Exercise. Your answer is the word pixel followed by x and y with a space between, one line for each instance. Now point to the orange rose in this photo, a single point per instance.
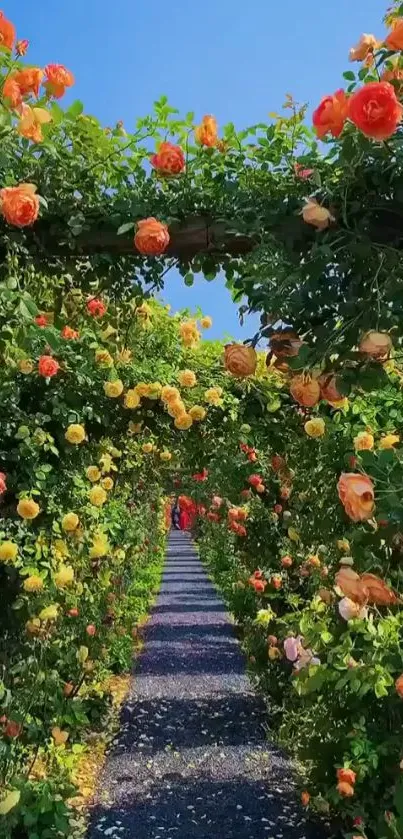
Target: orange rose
pixel 313 213
pixel 7 32
pixel 331 114
pixel 152 237
pixel 376 345
pixel 19 204
pixel 375 110
pixel 47 366
pixel 346 776
pixel 305 390
pixel 206 133
pixel 394 41
pixel 399 686
pixel 345 789
pixel 240 360
pixel 169 159
pixel 356 493
pixel 12 92
pixel 364 441
pixel 305 798
pixel 69 333
pixel 365 47
pixel 57 79
pixel 28 80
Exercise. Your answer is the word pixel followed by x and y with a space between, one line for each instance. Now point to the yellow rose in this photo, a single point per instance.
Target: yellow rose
pixel 132 399
pixel 124 356
pixel 93 474
pixel 315 427
pixel 206 322
pixel 389 441
pixel 363 441
pixel 64 576
pixel 183 422
pixel 33 583
pixel 213 396
pixel 176 408
pixel 170 394
pixel 25 366
pixel 49 613
pixel 142 389
pixel 70 522
pixel 135 427
pixel 313 213
pixel 100 546
pixel 97 496
pixel 60 737
pixel 107 483
pixel 75 434
pixel 28 509
pixel 165 456
pixel 8 551
pixel 187 378
pixel 239 360
pixel 147 448
pixel 103 358
pixel 189 333
pixel 113 389
pixel 197 413
pixel 343 545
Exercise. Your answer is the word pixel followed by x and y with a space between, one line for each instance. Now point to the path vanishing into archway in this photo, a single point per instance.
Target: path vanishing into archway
pixel 192 758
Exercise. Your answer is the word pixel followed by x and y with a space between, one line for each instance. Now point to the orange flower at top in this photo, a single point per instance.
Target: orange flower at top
pixel 365 47
pixel 356 493
pixel 375 110
pixel 30 124
pixel 19 205
pixel 7 32
pixel 207 132
pixel 331 115
pixel 96 307
pixel 169 159
pixel 58 78
pixel 394 41
pixel 152 237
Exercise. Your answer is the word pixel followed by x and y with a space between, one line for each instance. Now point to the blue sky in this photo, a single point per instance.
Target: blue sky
pixel 233 59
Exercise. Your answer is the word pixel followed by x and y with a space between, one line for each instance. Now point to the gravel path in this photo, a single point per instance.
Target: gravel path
pixel 191 760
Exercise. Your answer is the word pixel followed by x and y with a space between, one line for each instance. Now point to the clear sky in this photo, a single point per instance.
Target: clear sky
pixel 233 59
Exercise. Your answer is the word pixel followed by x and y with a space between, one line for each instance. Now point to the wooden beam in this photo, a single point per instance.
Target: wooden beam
pixel 192 237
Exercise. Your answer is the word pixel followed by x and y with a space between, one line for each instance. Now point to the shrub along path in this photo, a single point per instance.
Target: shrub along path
pixel 191 757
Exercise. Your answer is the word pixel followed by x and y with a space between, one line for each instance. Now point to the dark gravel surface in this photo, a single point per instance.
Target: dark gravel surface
pixel 191 758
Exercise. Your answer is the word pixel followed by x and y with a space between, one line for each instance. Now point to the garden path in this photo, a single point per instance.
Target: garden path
pixel 191 758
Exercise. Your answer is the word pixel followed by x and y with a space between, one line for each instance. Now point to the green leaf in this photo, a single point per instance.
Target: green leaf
pixel 349 75
pixel 124 228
